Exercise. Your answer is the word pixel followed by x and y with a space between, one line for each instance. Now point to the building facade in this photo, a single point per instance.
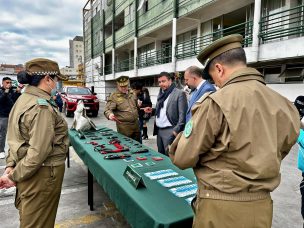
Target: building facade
pixel 76 51
pixel 141 38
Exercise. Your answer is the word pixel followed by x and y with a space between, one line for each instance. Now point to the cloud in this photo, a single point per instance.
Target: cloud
pixel 38 28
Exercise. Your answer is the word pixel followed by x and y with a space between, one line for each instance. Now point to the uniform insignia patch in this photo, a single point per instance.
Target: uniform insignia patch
pixel 42 102
pixel 119 99
pixel 188 129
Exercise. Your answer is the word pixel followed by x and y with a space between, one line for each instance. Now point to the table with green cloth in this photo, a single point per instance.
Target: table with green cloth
pixel 150 206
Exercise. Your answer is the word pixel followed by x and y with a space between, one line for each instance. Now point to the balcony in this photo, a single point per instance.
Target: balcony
pixel 124 65
pixel 192 47
pixel 124 33
pixel 154 57
pixel 282 25
pixel 108 15
pixel 108 69
pixel 108 43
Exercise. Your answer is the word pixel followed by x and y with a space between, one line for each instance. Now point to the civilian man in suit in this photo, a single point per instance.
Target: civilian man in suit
pixel 199 86
pixel 170 112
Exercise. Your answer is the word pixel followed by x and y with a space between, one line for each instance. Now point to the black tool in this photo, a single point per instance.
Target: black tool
pixel 116 156
pixel 141 151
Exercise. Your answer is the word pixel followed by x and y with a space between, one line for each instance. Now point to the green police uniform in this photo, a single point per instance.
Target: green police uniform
pixel 125 108
pixel 235 143
pixel 38 144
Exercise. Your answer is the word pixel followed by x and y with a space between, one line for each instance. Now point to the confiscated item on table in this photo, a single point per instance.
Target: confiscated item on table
pixel 81 121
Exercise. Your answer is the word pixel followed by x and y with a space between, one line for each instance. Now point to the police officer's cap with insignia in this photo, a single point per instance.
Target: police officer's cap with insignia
pixel 40 66
pixel 217 48
pixel 122 81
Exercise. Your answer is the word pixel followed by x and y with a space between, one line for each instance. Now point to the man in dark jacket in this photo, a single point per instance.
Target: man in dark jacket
pixel 171 108
pixel 8 97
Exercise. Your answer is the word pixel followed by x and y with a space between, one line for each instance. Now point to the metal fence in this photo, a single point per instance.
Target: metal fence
pixel 155 57
pixel 282 25
pixel 124 65
pixel 192 47
pixel 108 69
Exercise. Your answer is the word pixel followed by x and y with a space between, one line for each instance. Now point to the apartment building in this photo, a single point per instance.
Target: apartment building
pixel 76 51
pixel 141 38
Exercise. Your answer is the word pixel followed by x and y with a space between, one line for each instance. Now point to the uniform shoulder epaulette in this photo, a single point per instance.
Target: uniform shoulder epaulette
pixel 42 102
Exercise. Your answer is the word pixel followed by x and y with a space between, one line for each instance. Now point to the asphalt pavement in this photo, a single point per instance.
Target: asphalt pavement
pixel 74 211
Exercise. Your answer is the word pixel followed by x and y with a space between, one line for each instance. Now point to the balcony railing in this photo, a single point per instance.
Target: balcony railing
pixel 108 42
pixel 108 69
pixel 154 57
pixel 125 32
pixel 124 65
pixel 284 24
pixel 192 47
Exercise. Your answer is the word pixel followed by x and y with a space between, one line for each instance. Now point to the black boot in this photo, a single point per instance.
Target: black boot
pixel 145 133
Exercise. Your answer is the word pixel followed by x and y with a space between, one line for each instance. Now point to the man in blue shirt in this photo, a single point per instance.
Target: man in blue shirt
pixel 199 86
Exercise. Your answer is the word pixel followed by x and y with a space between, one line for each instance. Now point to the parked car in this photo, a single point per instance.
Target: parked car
pixel 72 94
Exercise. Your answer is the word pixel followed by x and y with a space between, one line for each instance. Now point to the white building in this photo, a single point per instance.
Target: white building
pixel 69 71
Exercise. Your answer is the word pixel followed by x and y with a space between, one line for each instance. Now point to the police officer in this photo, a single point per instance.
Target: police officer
pixel 38 144
pixel 235 141
pixel 122 108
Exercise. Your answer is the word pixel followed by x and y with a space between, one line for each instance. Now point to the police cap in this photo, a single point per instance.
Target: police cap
pixel 41 66
pixel 217 48
pixel 122 81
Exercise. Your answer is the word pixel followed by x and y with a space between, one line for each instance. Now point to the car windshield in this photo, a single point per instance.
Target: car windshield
pixel 79 91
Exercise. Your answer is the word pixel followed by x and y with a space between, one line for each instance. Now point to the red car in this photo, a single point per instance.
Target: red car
pixel 72 94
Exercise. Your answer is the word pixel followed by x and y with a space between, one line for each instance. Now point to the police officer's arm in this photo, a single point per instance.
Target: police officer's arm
pixel 207 122
pixel 110 106
pixel 41 132
pixel 9 160
pixel 182 110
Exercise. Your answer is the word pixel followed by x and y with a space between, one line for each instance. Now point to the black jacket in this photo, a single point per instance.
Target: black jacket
pixel 146 102
pixel 7 101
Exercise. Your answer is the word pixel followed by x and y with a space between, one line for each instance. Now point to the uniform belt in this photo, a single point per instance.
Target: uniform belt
pixel 212 193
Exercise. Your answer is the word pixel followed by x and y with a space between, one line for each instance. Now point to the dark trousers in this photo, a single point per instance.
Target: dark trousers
pixel 164 139
pixel 141 123
pixel 302 195
pixel 3 130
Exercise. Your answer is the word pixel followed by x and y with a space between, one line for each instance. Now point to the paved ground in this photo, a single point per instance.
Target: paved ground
pixel 74 212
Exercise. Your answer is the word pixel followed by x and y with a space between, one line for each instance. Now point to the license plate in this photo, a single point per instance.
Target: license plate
pixel 86 107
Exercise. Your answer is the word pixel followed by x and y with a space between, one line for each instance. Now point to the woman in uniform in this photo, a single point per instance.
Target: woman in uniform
pixel 38 143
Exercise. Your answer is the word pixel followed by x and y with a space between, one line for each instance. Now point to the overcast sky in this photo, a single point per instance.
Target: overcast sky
pixel 38 28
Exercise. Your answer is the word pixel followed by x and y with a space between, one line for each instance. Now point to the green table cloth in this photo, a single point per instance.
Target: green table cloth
pixel 152 206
